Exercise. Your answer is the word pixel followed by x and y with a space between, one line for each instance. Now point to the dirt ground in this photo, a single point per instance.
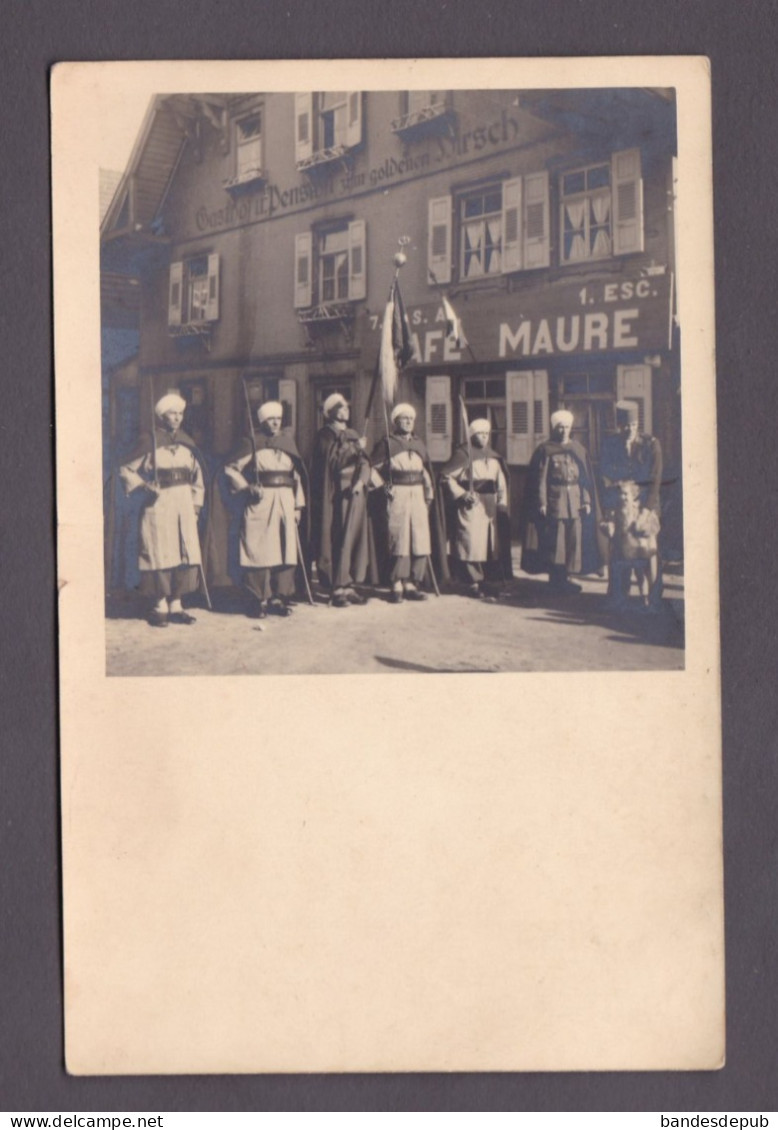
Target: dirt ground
pixel 527 629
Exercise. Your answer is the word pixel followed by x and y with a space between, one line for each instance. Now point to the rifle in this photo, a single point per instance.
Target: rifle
pixel 468 440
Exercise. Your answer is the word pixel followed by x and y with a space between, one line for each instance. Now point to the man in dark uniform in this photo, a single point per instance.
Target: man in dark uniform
pixel 341 532
pixel 631 457
pixel 562 498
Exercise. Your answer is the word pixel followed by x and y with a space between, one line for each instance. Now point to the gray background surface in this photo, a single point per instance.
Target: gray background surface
pixel 740 42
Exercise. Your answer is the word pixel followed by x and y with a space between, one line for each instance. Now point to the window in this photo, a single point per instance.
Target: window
pixel 497 228
pixel 327 124
pixel 193 296
pixel 481 234
pixel 419 108
pixel 330 265
pixel 485 399
pixel 601 209
pixel 248 146
pixel 526 414
pixel 260 389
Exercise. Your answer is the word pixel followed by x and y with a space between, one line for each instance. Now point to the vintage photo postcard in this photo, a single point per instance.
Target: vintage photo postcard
pixel 387 560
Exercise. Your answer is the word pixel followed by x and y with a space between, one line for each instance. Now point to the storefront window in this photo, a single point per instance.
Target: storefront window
pixel 485 399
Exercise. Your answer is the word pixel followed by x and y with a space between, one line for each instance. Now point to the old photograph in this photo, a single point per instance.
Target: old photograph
pixel 397 368
pixel 391 382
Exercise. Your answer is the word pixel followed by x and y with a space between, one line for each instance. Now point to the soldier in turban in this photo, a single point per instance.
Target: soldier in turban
pixel 560 537
pixel 166 466
pixel 268 471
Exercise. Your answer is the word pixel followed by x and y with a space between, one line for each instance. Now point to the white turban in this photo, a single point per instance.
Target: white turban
pixel 403 410
pixel 479 426
pixel 171 402
pixel 334 401
pixel 561 417
pixel 270 408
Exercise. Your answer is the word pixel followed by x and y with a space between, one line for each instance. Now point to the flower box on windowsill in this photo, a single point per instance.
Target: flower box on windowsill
pixel 192 330
pixel 322 157
pixel 244 179
pixel 418 122
pixel 326 313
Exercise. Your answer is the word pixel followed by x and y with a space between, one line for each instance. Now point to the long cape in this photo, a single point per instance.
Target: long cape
pixel 460 458
pixel 594 547
pixel 323 492
pixel 236 504
pixel 383 450
pixel 122 512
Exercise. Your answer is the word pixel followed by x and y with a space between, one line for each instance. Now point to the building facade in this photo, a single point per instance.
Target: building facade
pixel 261 230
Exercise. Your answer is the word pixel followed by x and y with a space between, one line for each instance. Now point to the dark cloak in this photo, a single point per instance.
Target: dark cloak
pixel 324 493
pixel 383 451
pixel 459 459
pixel 594 546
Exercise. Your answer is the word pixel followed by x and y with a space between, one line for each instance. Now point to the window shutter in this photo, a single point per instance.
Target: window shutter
pixel 303 126
pixel 511 225
pixel 540 424
pixel 287 394
pixel 354 121
pixel 633 382
pixel 439 238
pixel 212 302
pixel 537 243
pixel 175 294
pixel 357 266
pixel 438 418
pixel 302 269
pixel 627 188
pixel 519 388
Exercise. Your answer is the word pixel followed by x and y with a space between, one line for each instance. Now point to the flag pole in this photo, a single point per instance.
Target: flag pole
pixel 442 296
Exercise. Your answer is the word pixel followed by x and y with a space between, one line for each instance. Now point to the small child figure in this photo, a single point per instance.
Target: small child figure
pixel 633 533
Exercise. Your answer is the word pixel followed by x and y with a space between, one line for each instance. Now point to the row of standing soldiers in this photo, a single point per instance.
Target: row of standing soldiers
pixel 384 517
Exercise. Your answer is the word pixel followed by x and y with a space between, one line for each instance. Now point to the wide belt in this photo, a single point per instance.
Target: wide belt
pixel 407 478
pixel 564 482
pixel 275 479
pixel 174 477
pixel 482 486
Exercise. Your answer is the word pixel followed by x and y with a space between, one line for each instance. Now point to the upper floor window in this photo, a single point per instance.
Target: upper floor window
pixel 418 108
pixel 490 230
pixel 193 295
pixel 601 209
pixel 480 238
pixel 248 147
pixel 327 124
pixel 330 264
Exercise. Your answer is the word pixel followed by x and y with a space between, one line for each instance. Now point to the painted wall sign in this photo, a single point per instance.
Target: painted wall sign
pixel 551 321
pixel 273 198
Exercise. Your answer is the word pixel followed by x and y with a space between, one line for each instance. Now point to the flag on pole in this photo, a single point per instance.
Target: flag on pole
pixel 396 345
pixel 454 332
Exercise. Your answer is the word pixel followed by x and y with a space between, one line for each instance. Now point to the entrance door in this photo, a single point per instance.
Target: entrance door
pixel 592 420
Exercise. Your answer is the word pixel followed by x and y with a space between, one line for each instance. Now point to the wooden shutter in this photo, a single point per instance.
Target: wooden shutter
pixel 357 265
pixel 439 238
pixel 438 418
pixel 287 394
pixel 303 126
pixel 633 382
pixel 627 208
pixel 212 301
pixel 520 390
pixel 537 242
pixel 540 425
pixel 511 225
pixel 175 294
pixel 303 249
pixel 354 118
